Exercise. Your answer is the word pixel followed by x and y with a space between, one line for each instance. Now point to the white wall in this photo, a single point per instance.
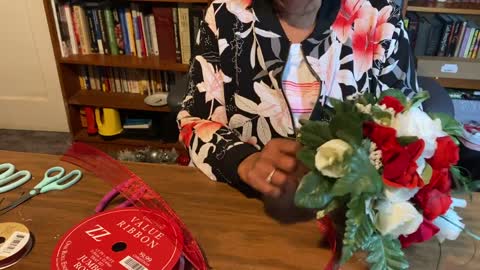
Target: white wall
pixel 30 95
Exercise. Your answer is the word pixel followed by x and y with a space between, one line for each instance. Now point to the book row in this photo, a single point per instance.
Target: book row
pixel 127 29
pixel 123 80
pixel 443 35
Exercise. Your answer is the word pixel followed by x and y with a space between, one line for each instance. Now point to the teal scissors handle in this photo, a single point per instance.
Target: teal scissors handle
pixel 13 180
pixel 59 181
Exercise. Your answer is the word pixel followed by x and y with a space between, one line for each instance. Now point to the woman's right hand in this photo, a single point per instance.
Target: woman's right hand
pixel 279 157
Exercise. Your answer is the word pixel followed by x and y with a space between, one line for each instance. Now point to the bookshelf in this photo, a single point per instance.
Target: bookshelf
pixel 432 66
pixel 76 98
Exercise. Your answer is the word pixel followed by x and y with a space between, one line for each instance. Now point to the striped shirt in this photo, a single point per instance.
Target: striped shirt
pixel 300 86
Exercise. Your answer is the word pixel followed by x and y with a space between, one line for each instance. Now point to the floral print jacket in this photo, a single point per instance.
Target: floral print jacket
pixel 235 103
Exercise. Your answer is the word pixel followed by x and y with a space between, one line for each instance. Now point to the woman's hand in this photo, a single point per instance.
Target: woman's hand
pixel 272 169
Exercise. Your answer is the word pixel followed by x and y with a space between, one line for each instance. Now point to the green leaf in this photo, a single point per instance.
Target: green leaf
pixel 462 179
pixel 313 192
pixel 427 174
pixel 451 126
pixel 379 114
pixel 385 253
pixel 361 176
pixel 341 106
pixel 314 133
pixel 396 94
pixel 367 98
pixel 307 157
pixel 348 127
pixel 418 99
pixel 358 228
pixel 406 140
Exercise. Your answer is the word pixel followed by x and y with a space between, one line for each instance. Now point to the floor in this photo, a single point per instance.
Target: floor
pixel 34 141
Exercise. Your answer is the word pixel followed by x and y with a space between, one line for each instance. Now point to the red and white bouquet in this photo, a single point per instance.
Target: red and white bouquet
pixel 389 166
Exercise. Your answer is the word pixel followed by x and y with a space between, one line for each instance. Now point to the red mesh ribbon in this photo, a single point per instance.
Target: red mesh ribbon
pixel 327 228
pixel 113 172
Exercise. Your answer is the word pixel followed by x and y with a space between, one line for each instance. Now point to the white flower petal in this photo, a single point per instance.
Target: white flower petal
pixel 397 219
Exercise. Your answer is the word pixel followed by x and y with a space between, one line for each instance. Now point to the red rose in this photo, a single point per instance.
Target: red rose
pixel 440 181
pixel 400 165
pixel 446 155
pixel 384 137
pixel 424 233
pixel 433 202
pixel 393 103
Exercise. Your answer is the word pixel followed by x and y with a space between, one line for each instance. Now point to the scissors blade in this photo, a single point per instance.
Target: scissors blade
pixel 16 203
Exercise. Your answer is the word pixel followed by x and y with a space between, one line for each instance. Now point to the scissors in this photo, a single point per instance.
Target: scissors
pixel 9 179
pixel 54 179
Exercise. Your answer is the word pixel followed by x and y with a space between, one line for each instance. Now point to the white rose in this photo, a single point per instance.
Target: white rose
pixel 447 229
pixel 396 195
pixel 395 219
pixel 415 122
pixel 330 156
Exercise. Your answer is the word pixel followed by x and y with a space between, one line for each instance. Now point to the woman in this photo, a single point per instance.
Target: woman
pixel 261 66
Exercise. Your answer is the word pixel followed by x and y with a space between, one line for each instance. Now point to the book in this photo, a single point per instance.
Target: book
pixel 447 29
pixel 196 17
pixel 458 22
pixel 116 78
pixel 453 34
pixel 176 28
pixel 476 47
pixel 463 28
pixel 62 43
pixel 148 37
pixel 138 41
pixel 468 42
pixel 137 123
pixel 98 31
pixel 103 30
pixel 71 32
pixel 91 29
pixel 117 27
pixel 123 24
pixel 131 32
pixel 184 31
pixel 112 39
pixel 412 28
pixel 422 40
pixel 83 31
pixel 465 41
pixel 434 36
pixel 163 18
pixel 472 43
pixel 153 34
pixel 141 30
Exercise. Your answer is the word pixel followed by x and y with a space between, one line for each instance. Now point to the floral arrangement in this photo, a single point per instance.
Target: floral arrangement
pixel 389 166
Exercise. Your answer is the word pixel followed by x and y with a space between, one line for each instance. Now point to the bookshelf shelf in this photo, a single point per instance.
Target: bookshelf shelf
pixel 83 136
pixel 459 83
pixel 449 59
pixel 450 8
pixel 124 61
pixel 96 98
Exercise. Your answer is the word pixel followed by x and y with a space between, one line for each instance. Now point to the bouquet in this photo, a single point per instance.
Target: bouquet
pixel 389 166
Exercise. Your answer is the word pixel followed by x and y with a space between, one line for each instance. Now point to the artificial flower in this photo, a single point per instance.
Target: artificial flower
pixel 424 233
pixel 384 137
pixel 392 102
pixel 446 155
pixel 397 219
pixel 415 122
pixel 330 157
pixel 433 203
pixel 450 224
pixel 400 165
pixel 396 195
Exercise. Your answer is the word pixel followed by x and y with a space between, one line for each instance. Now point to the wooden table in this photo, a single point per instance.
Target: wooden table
pixel 234 231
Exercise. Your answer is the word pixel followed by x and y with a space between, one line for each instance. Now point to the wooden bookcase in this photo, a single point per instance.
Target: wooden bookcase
pixel 472 10
pixel 75 99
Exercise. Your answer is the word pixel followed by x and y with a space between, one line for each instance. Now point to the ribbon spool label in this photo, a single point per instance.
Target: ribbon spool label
pixel 15 243
pixel 120 239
